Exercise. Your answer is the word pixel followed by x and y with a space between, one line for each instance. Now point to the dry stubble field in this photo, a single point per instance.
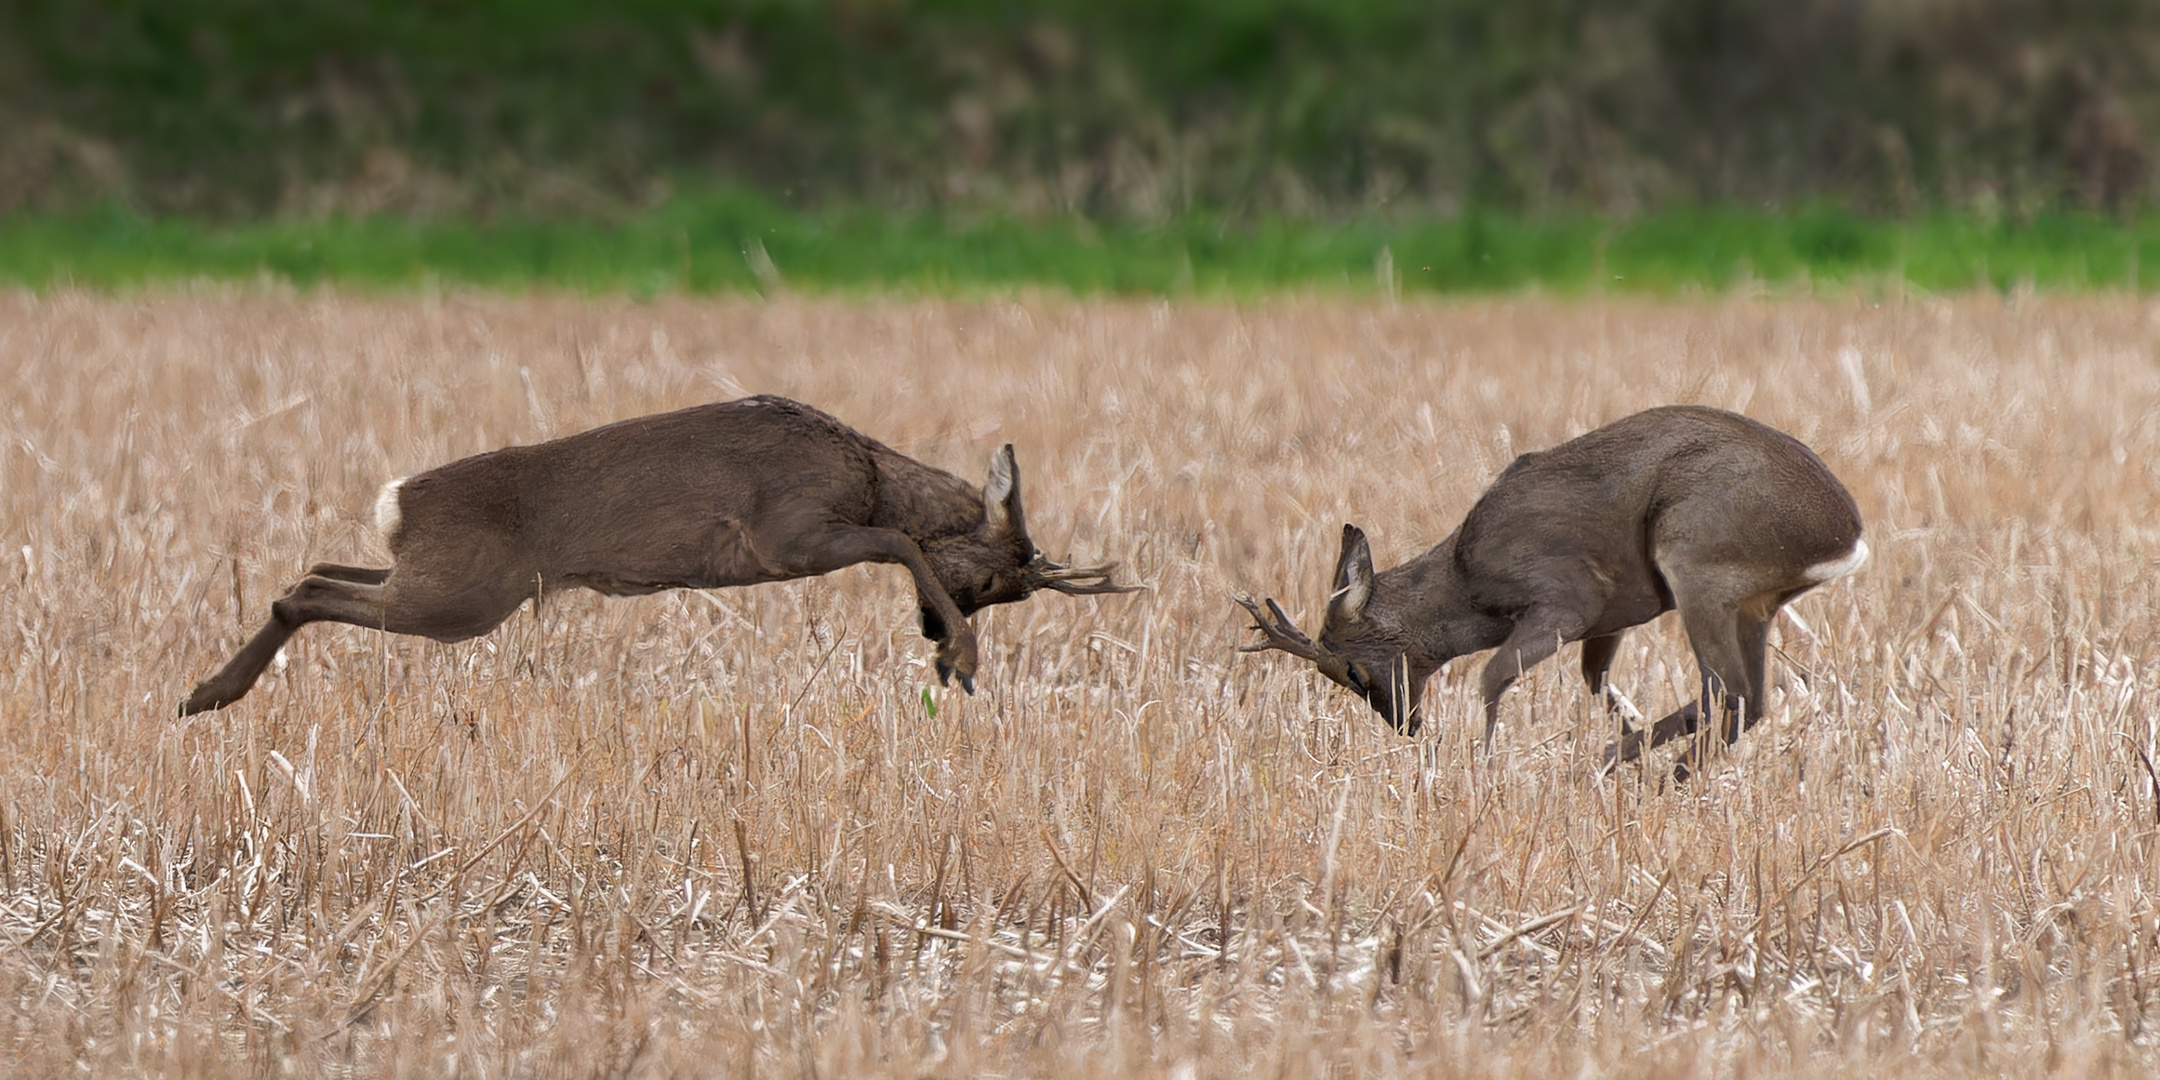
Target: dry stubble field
pixel 730 833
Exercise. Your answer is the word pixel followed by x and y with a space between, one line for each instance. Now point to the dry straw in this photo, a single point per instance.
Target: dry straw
pixel 724 834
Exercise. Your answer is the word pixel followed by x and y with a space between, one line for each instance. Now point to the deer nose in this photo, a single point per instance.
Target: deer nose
pixel 1388 702
pixel 1354 674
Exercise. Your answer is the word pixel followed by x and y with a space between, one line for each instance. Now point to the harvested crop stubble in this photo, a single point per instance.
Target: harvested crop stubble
pixel 696 832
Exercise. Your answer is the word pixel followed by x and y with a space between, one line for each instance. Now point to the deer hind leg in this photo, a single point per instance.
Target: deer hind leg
pixel 1537 635
pixel 316 598
pixel 1728 637
pixel 1712 631
pixel 377 604
pixel 1731 642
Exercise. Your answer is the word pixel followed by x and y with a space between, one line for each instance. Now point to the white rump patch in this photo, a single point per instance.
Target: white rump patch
pixel 1837 568
pixel 388 515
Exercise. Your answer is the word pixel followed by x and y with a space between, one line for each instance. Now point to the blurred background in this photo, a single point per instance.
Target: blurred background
pixel 1136 116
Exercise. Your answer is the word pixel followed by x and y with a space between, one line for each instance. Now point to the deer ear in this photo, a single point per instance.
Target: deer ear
pixel 1353 577
pixel 1001 493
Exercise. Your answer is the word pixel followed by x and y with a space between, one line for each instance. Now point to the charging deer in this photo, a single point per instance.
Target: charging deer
pixel 1681 507
pixel 763 489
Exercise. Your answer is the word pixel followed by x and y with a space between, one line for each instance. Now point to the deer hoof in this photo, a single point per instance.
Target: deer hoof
pixel 946 673
pixel 957 659
pixel 203 699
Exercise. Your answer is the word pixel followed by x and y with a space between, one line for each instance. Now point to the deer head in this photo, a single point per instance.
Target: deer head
pixel 998 563
pixel 1359 649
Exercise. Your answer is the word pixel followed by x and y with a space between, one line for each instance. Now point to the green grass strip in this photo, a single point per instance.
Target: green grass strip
pixel 743 243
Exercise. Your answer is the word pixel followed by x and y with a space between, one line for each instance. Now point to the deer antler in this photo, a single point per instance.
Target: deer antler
pixel 1072 580
pixel 1282 634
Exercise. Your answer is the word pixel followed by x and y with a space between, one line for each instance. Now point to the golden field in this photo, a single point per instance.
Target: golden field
pixel 731 833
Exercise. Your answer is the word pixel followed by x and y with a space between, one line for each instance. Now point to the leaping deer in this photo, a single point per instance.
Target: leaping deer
pixel 762 489
pixel 1682 507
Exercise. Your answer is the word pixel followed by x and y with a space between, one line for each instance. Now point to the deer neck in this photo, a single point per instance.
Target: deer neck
pixel 922 501
pixel 1429 601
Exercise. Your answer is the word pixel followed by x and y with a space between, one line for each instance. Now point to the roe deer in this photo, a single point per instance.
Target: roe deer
pixel 1682 507
pixel 762 489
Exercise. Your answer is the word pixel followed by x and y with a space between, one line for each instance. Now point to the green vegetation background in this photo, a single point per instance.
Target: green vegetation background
pixel 1125 145
pixel 745 243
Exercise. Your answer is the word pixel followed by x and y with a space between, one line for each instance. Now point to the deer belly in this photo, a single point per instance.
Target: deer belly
pixel 608 585
pixel 1634 601
pixel 733 557
pixel 714 558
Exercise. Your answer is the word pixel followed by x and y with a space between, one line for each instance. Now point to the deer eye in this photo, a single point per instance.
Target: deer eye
pixel 1358 683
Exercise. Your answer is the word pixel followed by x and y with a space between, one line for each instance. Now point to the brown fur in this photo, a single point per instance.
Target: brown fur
pixel 762 489
pixel 1682 507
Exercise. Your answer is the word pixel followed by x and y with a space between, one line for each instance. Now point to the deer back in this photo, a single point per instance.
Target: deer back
pixel 697 497
pixel 1664 486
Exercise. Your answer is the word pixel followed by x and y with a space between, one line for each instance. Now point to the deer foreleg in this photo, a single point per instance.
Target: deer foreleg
pixel 1597 661
pixel 834 548
pixel 1537 635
